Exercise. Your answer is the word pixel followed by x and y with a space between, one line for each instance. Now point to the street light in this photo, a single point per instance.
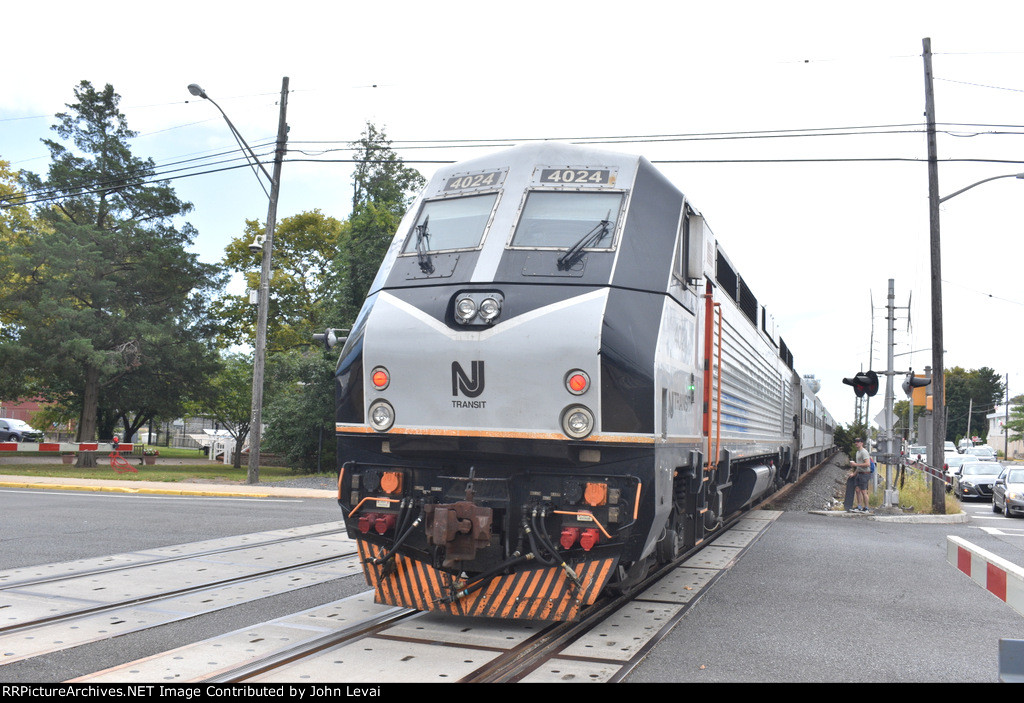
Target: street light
pixel 267 245
pixel 993 178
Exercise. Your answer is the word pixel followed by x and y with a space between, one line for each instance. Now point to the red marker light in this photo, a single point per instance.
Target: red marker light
pixel 380 378
pixel 577 382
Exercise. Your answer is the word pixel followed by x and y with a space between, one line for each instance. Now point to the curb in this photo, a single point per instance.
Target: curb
pixel 187 489
pixel 959 518
pixel 123 489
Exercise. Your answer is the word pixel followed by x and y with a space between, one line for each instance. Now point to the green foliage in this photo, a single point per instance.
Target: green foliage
pixel 380 177
pixel 228 399
pixel 915 495
pixel 300 417
pixel 846 436
pixel 383 189
pixel 971 393
pixel 104 293
pixel 1015 425
pixel 300 287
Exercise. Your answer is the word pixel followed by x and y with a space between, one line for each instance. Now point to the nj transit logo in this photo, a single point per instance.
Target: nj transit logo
pixel 470 386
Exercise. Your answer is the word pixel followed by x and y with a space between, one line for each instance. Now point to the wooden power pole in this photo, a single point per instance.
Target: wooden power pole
pixel 938 439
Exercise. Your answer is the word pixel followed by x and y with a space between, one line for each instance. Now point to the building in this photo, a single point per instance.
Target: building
pixel 997 434
pixel 21 409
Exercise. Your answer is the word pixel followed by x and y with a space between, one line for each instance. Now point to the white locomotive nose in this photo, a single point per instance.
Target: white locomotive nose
pixel 557 380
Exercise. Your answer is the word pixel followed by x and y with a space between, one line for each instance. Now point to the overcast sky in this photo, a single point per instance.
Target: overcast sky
pixel 816 223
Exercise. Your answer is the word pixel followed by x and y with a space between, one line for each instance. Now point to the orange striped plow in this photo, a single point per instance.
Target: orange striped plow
pixel 542 593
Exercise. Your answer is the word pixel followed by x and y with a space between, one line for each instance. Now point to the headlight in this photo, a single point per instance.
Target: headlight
pixel 1013 495
pixel 577 421
pixel 489 309
pixel 382 416
pixel 477 307
pixel 465 309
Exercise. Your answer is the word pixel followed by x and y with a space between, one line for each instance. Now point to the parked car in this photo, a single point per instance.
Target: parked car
pixel 981 453
pixel 975 479
pixel 1008 492
pixel 12 430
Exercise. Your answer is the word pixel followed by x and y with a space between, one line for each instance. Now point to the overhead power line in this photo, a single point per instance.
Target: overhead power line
pixel 182 167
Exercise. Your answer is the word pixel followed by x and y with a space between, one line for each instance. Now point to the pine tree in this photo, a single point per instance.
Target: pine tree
pixel 105 288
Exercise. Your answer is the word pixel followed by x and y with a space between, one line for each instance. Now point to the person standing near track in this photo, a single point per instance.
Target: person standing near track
pixel 861 476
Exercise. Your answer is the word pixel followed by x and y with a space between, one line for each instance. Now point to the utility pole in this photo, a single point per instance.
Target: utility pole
pixel 259 360
pixel 890 324
pixel 938 393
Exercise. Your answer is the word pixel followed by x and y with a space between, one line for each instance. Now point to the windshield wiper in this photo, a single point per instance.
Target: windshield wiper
pixel 567 259
pixel 422 247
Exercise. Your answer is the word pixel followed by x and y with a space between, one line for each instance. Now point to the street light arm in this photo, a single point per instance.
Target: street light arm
pixel 973 185
pixel 197 91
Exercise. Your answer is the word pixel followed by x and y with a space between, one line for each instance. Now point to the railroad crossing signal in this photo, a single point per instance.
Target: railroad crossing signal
pixel 864 383
pixel 913 382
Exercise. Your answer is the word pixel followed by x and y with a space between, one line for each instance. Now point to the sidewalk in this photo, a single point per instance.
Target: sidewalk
pixel 162 488
pixel 179 488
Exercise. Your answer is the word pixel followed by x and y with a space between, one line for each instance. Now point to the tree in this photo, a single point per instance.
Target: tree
pixel 101 289
pixel 300 286
pixel 970 396
pixel 845 437
pixel 228 400
pixel 300 417
pixel 380 177
pixel 300 414
pixel 383 188
pixel 1015 425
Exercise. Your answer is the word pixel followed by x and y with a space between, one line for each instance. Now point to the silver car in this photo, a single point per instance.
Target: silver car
pixel 954 462
pixel 981 453
pixel 1008 492
pixel 12 430
pixel 975 479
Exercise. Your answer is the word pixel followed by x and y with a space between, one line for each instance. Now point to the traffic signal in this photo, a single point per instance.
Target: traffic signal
pixel 864 383
pixel 913 382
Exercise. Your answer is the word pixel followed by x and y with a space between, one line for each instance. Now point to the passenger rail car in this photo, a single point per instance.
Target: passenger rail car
pixel 557 379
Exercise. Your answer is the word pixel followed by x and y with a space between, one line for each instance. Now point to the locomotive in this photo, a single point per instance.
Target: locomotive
pixel 557 380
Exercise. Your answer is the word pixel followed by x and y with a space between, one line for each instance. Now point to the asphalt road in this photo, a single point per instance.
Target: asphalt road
pixel 42 526
pixel 815 599
pixel 823 599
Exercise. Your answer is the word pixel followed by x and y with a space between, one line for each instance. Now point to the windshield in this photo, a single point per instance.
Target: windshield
pixel 561 220
pixel 455 223
pixel 1015 476
pixel 979 469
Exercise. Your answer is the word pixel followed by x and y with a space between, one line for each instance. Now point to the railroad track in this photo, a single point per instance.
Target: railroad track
pixel 358 641
pixel 90 600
